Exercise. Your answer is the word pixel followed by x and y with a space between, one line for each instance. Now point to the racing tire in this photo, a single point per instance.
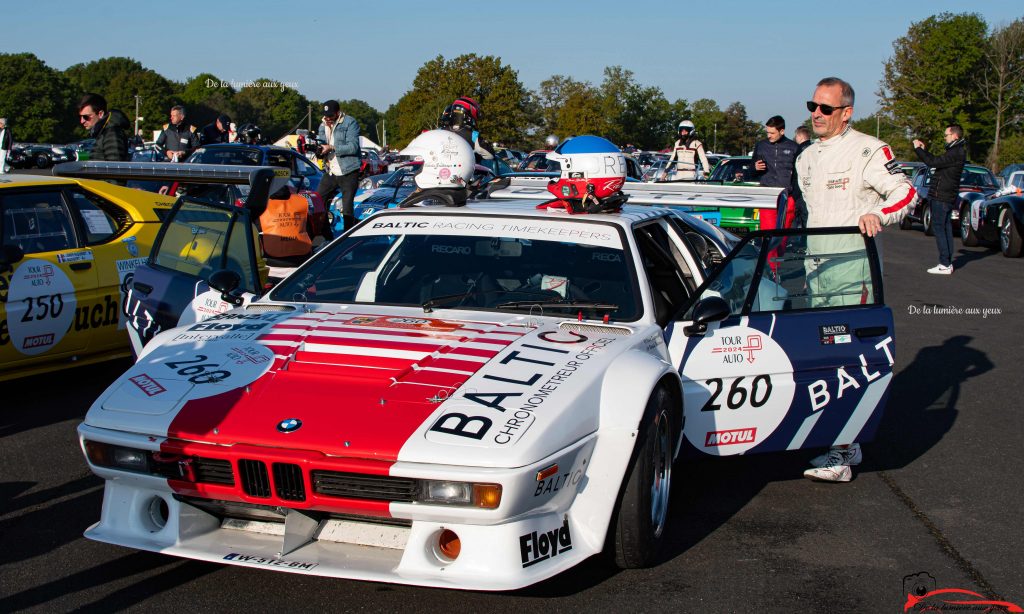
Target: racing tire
pixel 967 234
pixel 638 526
pixel 926 219
pixel 1010 241
pixel 906 223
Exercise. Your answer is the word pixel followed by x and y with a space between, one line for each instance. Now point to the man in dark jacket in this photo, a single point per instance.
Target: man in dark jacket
pixel 775 157
pixel 216 132
pixel 6 143
pixel 942 194
pixel 178 139
pixel 107 128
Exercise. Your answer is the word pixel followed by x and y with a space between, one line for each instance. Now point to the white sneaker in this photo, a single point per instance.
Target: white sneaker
pixel 848 456
pixel 834 473
pixel 941 269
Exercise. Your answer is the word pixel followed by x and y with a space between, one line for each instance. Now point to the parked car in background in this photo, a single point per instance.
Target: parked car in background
pixel 734 170
pixel 45 156
pixel 68 247
pixel 996 218
pixel 83 149
pixel 974 179
pixel 372 164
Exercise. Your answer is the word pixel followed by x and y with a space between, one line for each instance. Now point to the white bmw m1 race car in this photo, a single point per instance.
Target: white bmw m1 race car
pixel 481 397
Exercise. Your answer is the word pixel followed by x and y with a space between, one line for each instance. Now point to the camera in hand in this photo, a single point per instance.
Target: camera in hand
pixel 312 147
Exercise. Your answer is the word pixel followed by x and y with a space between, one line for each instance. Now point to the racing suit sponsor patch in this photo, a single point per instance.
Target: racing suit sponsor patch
pixel 893 167
pixel 540 546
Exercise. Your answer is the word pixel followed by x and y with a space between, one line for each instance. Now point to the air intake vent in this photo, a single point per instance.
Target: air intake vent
pixel 595 329
pixel 288 482
pixel 213 471
pixel 357 486
pixel 265 307
pixel 255 481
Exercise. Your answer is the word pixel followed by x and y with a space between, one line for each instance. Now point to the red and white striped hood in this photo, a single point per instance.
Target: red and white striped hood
pixel 367 382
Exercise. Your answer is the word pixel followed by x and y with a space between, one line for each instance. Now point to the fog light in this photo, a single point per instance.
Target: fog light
pixel 448 544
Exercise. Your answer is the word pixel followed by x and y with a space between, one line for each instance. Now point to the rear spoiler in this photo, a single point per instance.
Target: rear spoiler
pixel 662 194
pixel 262 180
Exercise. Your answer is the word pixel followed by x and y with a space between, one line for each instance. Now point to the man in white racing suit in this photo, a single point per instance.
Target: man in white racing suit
pixel 685 153
pixel 848 179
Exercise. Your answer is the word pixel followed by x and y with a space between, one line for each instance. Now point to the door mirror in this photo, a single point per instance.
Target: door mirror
pixel 710 309
pixel 226 282
pixel 10 254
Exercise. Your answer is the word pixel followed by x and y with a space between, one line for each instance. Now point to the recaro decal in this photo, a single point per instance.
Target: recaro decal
pixel 510 409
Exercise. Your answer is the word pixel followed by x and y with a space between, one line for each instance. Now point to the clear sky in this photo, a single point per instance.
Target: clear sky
pixel 766 54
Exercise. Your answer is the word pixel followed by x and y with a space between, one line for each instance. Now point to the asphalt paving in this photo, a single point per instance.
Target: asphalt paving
pixel 939 493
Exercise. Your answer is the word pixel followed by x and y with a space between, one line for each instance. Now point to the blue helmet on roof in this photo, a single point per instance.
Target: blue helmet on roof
pixel 593 168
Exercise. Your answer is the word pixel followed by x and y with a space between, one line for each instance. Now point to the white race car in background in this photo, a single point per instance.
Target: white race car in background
pixel 482 397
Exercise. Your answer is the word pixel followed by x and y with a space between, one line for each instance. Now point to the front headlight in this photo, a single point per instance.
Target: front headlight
pixel 117 457
pixel 444 492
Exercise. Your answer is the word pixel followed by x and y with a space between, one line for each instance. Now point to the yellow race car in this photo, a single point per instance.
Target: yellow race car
pixel 69 248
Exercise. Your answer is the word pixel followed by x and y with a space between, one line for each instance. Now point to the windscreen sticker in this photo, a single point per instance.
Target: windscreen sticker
pixel 581 233
pixel 40 306
pixel 96 221
pixel 738 386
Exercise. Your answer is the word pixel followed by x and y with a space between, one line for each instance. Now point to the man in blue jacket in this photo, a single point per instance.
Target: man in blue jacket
pixel 341 158
pixel 775 157
pixel 946 169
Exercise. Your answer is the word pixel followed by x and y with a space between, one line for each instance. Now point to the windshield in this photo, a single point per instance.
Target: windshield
pixel 549 267
pixel 976 177
pixel 226 155
pixel 734 170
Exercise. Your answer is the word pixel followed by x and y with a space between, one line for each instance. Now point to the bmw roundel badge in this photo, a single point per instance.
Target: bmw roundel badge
pixel 289 426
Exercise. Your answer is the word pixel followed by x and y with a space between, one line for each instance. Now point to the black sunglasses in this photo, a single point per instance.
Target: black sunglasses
pixel 87 116
pixel 825 108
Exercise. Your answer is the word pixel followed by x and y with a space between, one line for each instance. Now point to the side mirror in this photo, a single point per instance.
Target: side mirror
pixel 10 254
pixel 710 309
pixel 226 282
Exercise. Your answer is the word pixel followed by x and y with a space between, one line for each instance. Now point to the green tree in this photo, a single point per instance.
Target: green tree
pixel 368 117
pixel 206 97
pixel 930 80
pixel 568 108
pixel 275 108
pixel 36 99
pixel 635 114
pixel 737 133
pixel 503 99
pixel 119 80
pixel 1001 81
pixel 707 118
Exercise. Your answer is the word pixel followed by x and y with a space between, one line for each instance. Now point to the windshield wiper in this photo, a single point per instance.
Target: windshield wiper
pixel 561 303
pixel 436 301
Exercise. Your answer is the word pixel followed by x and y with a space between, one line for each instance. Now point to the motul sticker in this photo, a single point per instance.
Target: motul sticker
pixel 726 438
pixel 147 385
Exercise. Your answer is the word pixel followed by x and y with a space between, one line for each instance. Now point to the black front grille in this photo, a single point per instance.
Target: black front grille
pixel 213 471
pixel 288 482
pixel 255 480
pixel 358 486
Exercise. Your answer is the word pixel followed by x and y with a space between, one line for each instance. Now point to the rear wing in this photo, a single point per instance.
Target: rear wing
pixel 262 180
pixel 683 194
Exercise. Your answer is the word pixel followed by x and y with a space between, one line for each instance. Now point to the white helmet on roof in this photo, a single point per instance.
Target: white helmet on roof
pixel 551 141
pixel 448 160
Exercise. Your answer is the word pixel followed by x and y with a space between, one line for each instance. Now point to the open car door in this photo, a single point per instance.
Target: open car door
pixel 784 348
pixel 199 237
